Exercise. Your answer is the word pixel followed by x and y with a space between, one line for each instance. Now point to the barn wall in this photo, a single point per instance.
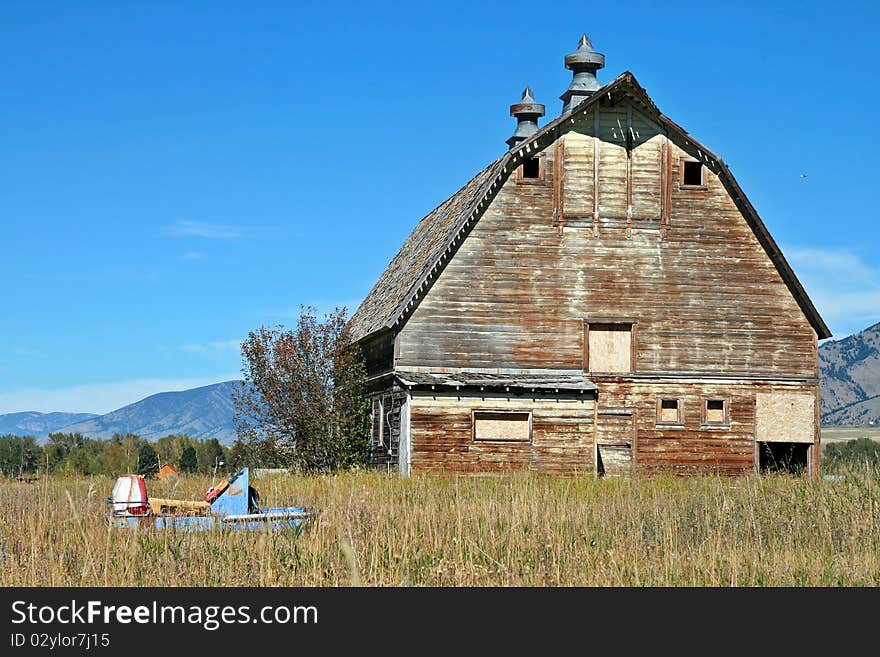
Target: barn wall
pixel 695 447
pixel 707 297
pixel 442 434
pixel 378 353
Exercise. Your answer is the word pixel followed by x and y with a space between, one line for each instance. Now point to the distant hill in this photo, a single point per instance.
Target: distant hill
pixel 39 425
pixel 849 371
pixel 203 413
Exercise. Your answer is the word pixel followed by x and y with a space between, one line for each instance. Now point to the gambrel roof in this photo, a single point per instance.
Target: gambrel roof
pixel 438 235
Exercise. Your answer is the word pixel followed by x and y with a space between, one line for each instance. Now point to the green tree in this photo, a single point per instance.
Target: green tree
pixel 19 455
pixel 52 457
pixel 89 458
pixel 858 452
pixel 188 460
pixel 60 450
pixel 210 455
pixel 148 461
pixel 122 453
pixel 257 454
pixel 303 394
pixel 170 448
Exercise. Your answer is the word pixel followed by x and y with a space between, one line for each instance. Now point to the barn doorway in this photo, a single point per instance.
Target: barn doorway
pixel 785 430
pixel 614 442
pixel 790 458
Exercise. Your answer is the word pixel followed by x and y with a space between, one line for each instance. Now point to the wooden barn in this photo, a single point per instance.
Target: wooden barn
pixel 601 298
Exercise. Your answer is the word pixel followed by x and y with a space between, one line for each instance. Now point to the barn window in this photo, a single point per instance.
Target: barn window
pixel 691 173
pixel 531 168
pixel 669 412
pixel 715 412
pixel 507 426
pixel 609 346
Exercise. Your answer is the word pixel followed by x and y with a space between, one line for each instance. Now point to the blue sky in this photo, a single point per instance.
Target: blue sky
pixel 175 174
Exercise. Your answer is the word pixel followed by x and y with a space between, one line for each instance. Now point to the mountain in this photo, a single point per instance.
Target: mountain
pixel 849 373
pixel 203 413
pixel 38 425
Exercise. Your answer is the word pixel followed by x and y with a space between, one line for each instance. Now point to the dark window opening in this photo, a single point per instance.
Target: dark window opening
pixel 788 458
pixel 531 168
pixel 692 173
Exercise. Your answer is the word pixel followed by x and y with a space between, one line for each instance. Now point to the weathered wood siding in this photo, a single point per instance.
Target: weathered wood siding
pixel 647 188
pixel 578 176
pixel 442 434
pixel 693 447
pixel 707 297
pixel 378 353
pixel 612 165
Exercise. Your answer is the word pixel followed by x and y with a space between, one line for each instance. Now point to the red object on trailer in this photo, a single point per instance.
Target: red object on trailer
pixel 215 492
pixel 143 508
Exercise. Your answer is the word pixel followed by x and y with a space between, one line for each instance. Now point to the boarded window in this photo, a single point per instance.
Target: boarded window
pixel 785 417
pixel 514 426
pixel 715 412
pixel 669 411
pixel 609 348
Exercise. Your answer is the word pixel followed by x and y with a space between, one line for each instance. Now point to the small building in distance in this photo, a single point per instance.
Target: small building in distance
pixel 602 298
pixel 167 470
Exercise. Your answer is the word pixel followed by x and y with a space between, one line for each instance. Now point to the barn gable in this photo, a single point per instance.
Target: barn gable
pixel 437 237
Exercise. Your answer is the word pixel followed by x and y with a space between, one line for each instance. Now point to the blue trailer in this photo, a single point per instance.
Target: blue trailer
pixel 232 505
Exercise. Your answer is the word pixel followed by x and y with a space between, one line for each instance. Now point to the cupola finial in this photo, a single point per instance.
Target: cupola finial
pixel 527 112
pixel 583 63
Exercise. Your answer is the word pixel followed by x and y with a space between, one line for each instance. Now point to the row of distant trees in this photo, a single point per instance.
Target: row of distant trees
pixel 75 454
pixel 303 405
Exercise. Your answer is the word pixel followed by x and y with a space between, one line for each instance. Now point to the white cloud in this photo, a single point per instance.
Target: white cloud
pixel 216 347
pixel 843 286
pixel 204 229
pixel 193 255
pixel 97 397
pixel 841 262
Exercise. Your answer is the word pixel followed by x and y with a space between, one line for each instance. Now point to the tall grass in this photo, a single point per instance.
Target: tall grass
pixel 464 531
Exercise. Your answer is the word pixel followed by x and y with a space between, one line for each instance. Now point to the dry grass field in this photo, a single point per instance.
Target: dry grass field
pixel 446 531
pixel 840 434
